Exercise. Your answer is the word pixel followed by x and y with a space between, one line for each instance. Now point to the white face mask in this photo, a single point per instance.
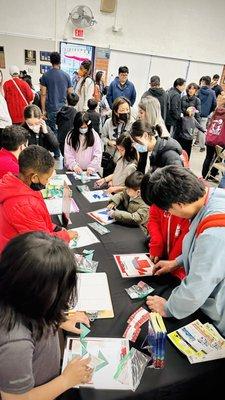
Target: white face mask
pixel 83 131
pixel 35 128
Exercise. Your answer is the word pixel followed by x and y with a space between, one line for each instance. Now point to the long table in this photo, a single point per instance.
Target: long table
pixel 179 379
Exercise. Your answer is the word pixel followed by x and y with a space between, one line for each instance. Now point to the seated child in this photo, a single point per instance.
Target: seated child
pixel 65 118
pixel 135 211
pixel 166 236
pixel 22 207
pixel 125 165
pixel 93 114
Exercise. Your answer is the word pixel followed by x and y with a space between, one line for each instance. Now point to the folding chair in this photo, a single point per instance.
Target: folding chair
pixel 218 163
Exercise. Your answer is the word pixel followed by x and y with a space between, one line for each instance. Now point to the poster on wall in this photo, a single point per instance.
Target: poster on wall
pixel 2 57
pixel 30 57
pixel 44 68
pixel 73 54
pixel 102 61
pixel 45 56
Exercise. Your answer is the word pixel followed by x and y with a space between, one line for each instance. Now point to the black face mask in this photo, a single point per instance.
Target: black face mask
pixel 37 186
pixel 123 117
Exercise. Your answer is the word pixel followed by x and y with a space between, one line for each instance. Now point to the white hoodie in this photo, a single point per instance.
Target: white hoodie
pixel 5 119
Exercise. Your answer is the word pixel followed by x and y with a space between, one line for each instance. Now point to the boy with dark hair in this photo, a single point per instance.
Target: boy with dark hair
pixel 22 207
pixel 215 86
pixel 179 191
pixel 14 139
pixel 94 115
pixel 159 93
pixel 121 87
pixel 65 118
pixel 128 207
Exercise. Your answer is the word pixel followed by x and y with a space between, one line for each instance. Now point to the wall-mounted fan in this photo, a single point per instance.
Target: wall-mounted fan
pixel 82 16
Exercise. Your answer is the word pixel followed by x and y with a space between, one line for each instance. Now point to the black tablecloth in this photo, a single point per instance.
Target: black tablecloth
pixel 179 379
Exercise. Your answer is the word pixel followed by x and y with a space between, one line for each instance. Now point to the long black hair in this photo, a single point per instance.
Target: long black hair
pixel 87 65
pixel 130 152
pixel 37 281
pixel 73 138
pixel 138 128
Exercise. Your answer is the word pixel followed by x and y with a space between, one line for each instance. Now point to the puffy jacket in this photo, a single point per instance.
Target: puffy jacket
pixel 162 96
pixel 191 101
pixel 174 107
pixel 116 90
pixel 47 140
pixel 208 100
pixel 166 236
pixel 15 101
pixel 64 120
pixel 135 211
pixel 23 210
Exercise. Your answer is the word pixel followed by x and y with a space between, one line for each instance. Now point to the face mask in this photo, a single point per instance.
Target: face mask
pixel 83 130
pixel 123 117
pixel 35 128
pixel 141 148
pixel 37 186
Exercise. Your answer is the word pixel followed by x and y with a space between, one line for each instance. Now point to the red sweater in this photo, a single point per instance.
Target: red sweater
pixel 14 99
pixel 23 210
pixel 166 236
pixel 8 163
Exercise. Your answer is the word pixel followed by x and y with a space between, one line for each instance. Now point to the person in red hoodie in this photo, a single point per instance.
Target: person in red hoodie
pixel 18 95
pixel 22 207
pixel 166 235
pixel 14 139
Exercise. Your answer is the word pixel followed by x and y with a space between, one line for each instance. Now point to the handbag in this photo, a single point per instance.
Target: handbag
pixel 215 135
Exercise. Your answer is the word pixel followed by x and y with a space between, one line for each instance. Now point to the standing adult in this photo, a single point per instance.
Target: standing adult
pixel 99 86
pixel 191 100
pixel 215 85
pixel 5 119
pixel 208 104
pixel 156 91
pixel 173 118
pixel 85 85
pixel 121 87
pixel 149 112
pixel 55 85
pixel 18 95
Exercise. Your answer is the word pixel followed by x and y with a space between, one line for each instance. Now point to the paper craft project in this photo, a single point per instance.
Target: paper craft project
pixel 134 265
pixel 84 177
pixel 95 196
pixel 83 188
pixel 59 179
pixel 58 200
pixel 102 216
pixel 135 321
pixel 85 238
pixel 199 342
pixel 98 228
pixel 139 291
pixel 106 355
pixel 94 295
pixel 85 261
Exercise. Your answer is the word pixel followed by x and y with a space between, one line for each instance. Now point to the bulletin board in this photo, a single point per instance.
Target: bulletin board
pixel 73 54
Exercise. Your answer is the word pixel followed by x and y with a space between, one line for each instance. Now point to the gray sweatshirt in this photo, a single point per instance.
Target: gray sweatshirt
pixel 204 262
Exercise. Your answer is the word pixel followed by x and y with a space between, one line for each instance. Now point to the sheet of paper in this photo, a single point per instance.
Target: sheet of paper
pixel 95 196
pixel 101 216
pixel 106 355
pixel 54 206
pixel 134 265
pixel 93 176
pixel 59 179
pixel 93 292
pixel 85 238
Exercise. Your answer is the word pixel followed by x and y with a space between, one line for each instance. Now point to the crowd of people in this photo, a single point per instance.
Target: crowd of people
pixel 144 166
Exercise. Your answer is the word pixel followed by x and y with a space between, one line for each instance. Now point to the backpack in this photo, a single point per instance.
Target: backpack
pixel 212 221
pixel 215 135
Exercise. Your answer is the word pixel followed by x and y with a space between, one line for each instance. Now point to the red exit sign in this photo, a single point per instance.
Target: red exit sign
pixel 78 33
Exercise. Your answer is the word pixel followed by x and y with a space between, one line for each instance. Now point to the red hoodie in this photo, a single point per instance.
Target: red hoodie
pixel 23 210
pixel 166 236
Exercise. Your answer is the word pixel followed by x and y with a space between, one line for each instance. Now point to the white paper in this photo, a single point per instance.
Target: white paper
pixel 93 176
pixel 85 237
pixel 59 179
pixel 101 216
pixel 95 196
pixel 93 293
pixel 54 206
pixel 110 349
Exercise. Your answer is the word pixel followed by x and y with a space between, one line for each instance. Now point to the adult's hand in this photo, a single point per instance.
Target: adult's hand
pixel 164 267
pixel 77 372
pixel 73 319
pixel 72 234
pixel 156 304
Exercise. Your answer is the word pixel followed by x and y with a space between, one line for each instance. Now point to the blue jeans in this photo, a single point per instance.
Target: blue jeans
pixel 51 122
pixel 222 182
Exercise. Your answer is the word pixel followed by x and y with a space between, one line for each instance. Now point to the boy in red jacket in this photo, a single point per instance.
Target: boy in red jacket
pixel 22 207
pixel 166 235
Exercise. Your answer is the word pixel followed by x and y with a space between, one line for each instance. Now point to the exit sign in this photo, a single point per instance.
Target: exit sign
pixel 78 33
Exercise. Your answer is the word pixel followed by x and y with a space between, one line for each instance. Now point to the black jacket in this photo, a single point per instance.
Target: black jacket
pixel 47 140
pixel 64 120
pixel 217 89
pixel 174 107
pixel 194 101
pixel 162 96
pixel 95 119
pixel 167 151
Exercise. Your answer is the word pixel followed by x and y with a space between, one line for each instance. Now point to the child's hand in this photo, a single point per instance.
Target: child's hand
pixel 154 259
pixel 44 126
pixel 111 190
pixel 72 234
pixel 89 171
pixel 111 213
pixel 77 169
pixel 100 182
pixel 111 206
